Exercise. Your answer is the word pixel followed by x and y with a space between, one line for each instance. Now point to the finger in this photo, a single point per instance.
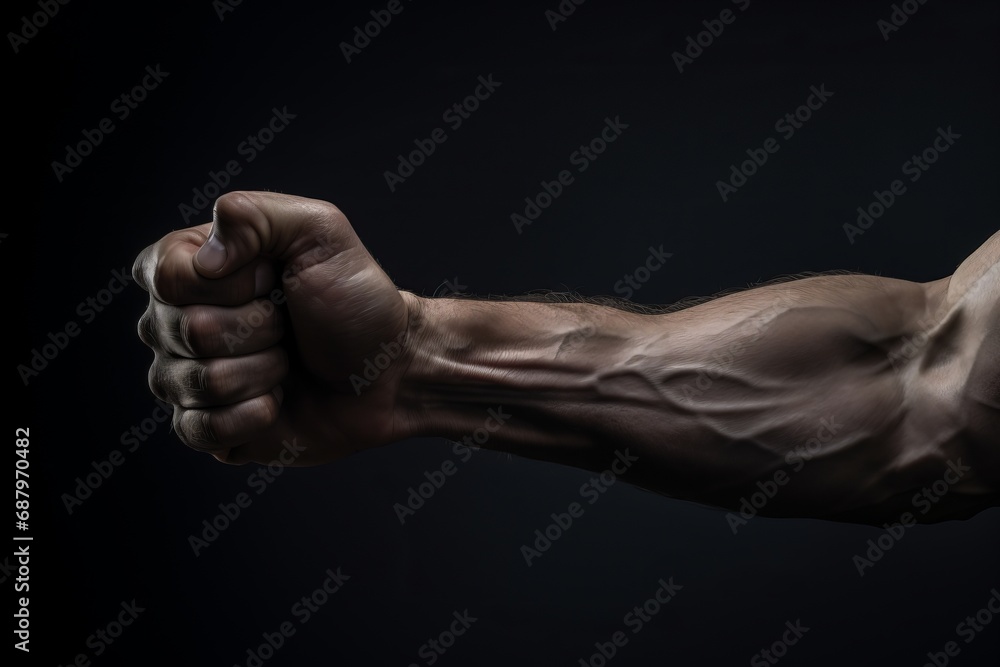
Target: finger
pixel 166 270
pixel 281 227
pixel 207 383
pixel 219 428
pixel 280 444
pixel 200 332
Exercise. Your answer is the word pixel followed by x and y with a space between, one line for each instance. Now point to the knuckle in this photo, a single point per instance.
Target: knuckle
pixel 269 409
pixel 155 380
pixel 204 428
pixel 189 386
pixel 147 328
pixel 330 212
pixel 201 378
pixel 184 325
pixel 214 381
pixel 198 331
pixel 330 226
pixel 231 203
pixel 163 286
pixel 194 428
pixel 139 268
pixel 180 422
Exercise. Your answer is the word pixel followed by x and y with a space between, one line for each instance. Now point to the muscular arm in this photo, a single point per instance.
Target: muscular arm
pixel 823 382
pixel 841 396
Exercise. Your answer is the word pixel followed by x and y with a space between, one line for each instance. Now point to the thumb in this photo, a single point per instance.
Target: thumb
pixel 247 225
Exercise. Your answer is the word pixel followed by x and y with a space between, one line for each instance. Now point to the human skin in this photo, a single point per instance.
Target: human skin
pixel 847 396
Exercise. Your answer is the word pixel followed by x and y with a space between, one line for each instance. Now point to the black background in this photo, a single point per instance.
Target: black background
pixel 451 220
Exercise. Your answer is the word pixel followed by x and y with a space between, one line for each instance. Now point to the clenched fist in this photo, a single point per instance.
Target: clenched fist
pixel 271 325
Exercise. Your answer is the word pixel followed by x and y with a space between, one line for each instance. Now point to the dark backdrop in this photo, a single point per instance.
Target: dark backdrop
pixel 450 221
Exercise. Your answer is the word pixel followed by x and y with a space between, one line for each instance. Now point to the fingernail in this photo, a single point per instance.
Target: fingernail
pixel 212 255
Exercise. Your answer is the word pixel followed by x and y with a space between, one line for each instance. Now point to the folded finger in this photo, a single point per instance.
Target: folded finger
pixel 203 383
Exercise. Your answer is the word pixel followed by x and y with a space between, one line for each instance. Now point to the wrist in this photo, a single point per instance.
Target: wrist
pixel 428 398
pixel 407 414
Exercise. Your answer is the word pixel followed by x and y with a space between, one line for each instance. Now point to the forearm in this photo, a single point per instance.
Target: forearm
pixel 559 370
pixel 789 383
pixel 683 392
